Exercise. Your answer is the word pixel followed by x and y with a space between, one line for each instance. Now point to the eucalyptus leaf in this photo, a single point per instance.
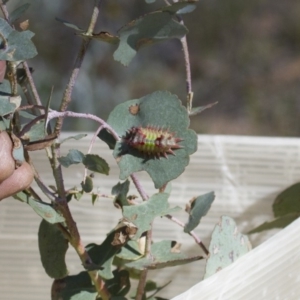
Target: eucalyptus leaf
pixel 18 45
pixel 70 25
pixel 18 150
pixel 226 246
pixel 18 12
pixel 199 208
pixel 163 254
pixel 151 28
pixel 159 110
pixel 95 163
pixel 73 157
pixel 44 210
pixel 279 222
pixel 200 109
pixel 53 247
pixel 147 30
pixel 75 137
pixel 6 107
pixel 120 192
pixel 143 214
pixel 103 255
pixel 36 133
pixel 130 251
pixel 288 201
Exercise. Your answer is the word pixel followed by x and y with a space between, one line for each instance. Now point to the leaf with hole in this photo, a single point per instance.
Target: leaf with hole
pixel 226 246
pixel 17 46
pixel 160 110
pixel 143 214
pixel 163 254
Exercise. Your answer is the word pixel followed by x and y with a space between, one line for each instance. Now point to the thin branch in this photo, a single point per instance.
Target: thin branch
pixel 185 49
pixel 55 114
pixel 139 187
pixel 36 96
pixel 141 286
pixel 4 11
pixel 67 96
pixel 192 233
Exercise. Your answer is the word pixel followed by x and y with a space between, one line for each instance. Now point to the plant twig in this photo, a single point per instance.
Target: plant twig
pixel 36 96
pixel 55 114
pixel 4 11
pixel 77 65
pixel 141 285
pixel 192 233
pixel 139 187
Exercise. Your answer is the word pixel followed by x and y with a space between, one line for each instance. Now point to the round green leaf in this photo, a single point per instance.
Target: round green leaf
pixel 163 110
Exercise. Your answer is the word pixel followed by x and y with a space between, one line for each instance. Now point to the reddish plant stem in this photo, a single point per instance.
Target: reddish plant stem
pixel 4 11
pixel 67 96
pixel 141 286
pixel 36 96
pixel 55 114
pixel 192 233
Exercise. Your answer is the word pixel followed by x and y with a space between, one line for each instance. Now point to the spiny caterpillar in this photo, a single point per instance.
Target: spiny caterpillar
pixel 152 141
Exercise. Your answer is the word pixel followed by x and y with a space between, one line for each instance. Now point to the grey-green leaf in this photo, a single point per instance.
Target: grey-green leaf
pixel 279 222
pixel 130 251
pixel 53 247
pixel 199 208
pixel 95 163
pixel 75 137
pixel 152 28
pixel 73 157
pixel 18 12
pixel 287 201
pixel 161 110
pixel 37 132
pixel 120 192
pixel 143 214
pixel 226 246
pixel 163 254
pixel 44 210
pixel 18 46
pixel 70 25
pixel 6 106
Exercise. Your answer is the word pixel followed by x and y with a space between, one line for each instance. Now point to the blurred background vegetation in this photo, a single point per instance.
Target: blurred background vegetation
pixel 244 54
